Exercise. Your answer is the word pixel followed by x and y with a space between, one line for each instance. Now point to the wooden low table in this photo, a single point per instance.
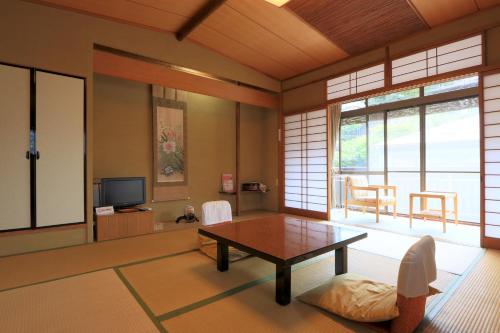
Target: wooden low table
pixel 431 213
pixel 284 241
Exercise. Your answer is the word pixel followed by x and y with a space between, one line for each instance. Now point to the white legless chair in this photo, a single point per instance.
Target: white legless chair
pixel 359 298
pixel 416 271
pixel 214 212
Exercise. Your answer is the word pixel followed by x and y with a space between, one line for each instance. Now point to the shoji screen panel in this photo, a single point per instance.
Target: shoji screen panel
pixel 356 82
pixel 14 138
pixel 491 158
pixel 306 162
pixel 446 58
pixel 60 141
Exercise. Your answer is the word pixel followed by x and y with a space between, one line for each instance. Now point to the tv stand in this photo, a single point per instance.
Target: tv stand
pixel 124 224
pixel 128 210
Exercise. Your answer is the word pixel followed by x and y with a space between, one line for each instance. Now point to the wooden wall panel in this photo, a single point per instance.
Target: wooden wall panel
pixel 136 70
pixel 359 25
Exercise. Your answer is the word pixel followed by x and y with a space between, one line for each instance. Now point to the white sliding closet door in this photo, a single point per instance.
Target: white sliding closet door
pixel 60 141
pixel 14 139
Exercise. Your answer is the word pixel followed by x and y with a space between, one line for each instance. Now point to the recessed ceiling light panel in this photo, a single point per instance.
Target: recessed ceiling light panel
pixel 279 3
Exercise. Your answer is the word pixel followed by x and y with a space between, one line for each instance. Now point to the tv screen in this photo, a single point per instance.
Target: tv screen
pixel 123 192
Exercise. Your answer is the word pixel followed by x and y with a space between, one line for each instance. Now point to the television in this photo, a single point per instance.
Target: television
pixel 123 192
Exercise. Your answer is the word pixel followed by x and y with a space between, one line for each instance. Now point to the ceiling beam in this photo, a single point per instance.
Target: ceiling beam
pixel 200 16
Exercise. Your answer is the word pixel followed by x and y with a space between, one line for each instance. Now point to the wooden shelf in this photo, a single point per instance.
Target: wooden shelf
pixel 229 193
pixel 256 191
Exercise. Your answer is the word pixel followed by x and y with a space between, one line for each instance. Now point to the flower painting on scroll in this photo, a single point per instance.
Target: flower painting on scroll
pixel 170 161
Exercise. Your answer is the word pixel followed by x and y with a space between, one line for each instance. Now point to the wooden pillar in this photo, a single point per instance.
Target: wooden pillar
pixel 237 173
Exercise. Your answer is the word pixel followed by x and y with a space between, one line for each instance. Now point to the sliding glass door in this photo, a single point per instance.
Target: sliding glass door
pixel 452 153
pixel 421 139
pixel 403 154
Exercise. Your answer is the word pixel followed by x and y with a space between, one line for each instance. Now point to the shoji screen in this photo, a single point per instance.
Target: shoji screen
pixel 356 82
pixel 14 138
pixel 438 60
pixel 491 158
pixel 60 141
pixel 306 163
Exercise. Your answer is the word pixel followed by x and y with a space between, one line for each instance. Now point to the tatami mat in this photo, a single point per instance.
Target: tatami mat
pixel 170 283
pixel 175 282
pixel 254 309
pixel 475 306
pixel 35 267
pixel 95 302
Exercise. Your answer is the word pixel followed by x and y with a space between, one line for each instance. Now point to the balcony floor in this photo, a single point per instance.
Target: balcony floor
pixel 457 234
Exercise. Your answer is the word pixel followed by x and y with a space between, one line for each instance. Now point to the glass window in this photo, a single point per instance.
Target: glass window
pixel 353 105
pixel 336 156
pixel 376 179
pixel 407 182
pixel 394 97
pixel 442 87
pixel 452 133
pixel 376 142
pixel 353 144
pixel 467 186
pixel 403 140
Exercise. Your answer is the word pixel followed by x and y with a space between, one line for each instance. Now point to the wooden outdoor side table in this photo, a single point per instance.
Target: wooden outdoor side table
pixel 435 213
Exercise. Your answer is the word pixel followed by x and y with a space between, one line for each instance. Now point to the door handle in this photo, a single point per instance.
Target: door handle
pixel 28 155
pixel 37 155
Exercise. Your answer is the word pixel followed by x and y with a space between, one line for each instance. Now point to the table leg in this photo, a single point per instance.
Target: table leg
pixel 283 283
pixel 411 211
pixel 455 204
pixel 341 260
pixel 443 213
pixel 424 208
pixel 222 257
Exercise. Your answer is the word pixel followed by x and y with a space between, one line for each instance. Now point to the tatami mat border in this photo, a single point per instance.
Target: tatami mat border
pixel 142 261
pixel 87 244
pixel 438 303
pixel 141 302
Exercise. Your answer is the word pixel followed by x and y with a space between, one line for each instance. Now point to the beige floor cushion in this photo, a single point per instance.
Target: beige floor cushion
pixel 355 297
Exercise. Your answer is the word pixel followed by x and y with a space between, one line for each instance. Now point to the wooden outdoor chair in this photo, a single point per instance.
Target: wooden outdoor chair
pixel 364 195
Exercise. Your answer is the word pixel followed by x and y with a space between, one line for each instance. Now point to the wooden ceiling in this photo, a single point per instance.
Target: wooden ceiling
pixel 359 25
pixel 284 42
